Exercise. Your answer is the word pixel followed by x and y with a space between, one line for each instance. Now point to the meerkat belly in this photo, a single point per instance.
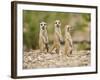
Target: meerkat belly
pixel 68 46
pixel 41 43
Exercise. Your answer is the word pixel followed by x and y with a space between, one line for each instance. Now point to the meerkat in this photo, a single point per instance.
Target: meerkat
pixel 68 41
pixel 43 37
pixel 58 39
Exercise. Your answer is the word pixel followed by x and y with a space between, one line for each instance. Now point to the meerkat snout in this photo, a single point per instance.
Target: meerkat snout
pixel 68 28
pixel 57 23
pixel 43 25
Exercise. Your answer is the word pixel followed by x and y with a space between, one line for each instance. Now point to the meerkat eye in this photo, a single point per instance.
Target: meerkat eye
pixel 58 22
pixel 55 22
pixel 41 24
pixel 45 24
pixel 68 29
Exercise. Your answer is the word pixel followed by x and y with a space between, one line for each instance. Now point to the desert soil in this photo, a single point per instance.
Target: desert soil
pixel 37 59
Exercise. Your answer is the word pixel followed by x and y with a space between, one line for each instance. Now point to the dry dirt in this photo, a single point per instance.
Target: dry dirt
pixel 36 59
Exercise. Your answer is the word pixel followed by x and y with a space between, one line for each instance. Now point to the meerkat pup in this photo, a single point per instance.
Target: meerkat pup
pixel 68 40
pixel 58 39
pixel 43 37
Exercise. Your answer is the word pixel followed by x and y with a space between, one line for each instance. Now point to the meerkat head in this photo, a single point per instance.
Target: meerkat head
pixel 43 25
pixel 68 28
pixel 57 23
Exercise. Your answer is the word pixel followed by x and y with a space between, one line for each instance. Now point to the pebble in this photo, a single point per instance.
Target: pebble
pixel 36 59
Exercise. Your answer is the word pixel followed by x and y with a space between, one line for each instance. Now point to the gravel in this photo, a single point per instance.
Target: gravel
pixel 36 59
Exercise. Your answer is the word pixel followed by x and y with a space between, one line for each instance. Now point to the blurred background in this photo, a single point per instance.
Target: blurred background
pixel 80 23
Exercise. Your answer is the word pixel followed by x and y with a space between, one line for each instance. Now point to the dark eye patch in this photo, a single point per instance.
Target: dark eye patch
pixel 68 28
pixel 41 24
pixel 55 22
pixel 58 22
pixel 45 24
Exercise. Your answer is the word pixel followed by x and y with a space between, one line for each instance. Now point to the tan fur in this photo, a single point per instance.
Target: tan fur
pixel 43 37
pixel 57 37
pixel 68 41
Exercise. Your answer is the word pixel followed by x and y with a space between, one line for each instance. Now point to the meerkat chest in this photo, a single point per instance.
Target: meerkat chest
pixel 67 35
pixel 68 40
pixel 42 33
pixel 56 38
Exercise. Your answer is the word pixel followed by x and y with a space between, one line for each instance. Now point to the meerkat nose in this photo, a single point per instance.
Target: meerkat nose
pixel 42 27
pixel 57 25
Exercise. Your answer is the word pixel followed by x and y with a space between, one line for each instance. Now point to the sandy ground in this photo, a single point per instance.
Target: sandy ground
pixel 36 59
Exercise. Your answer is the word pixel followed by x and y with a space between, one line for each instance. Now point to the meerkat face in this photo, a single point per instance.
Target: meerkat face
pixel 68 28
pixel 57 23
pixel 43 25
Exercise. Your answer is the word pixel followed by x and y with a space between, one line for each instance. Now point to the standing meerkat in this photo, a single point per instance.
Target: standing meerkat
pixel 58 39
pixel 68 40
pixel 43 37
